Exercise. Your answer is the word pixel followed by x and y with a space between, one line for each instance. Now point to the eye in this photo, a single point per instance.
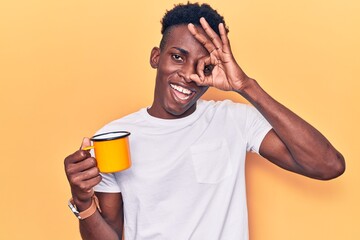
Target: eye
pixel 177 57
pixel 208 70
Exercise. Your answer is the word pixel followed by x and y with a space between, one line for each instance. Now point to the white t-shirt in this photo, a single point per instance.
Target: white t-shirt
pixel 187 178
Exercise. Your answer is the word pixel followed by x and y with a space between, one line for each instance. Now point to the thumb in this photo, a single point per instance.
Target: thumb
pixel 196 78
pixel 85 143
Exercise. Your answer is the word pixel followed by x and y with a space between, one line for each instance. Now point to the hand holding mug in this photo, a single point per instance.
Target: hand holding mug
pixel 82 173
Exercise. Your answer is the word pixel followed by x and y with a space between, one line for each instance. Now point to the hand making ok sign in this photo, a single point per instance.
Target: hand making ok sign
pixel 226 73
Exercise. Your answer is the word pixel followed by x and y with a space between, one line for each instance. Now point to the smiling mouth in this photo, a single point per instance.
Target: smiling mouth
pixel 181 92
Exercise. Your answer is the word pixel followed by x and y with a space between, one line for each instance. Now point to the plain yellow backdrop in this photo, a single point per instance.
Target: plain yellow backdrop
pixel 68 67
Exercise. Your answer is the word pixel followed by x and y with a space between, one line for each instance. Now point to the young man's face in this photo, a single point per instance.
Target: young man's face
pixel 175 94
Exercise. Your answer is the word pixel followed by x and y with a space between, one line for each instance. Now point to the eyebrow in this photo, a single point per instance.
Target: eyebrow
pixel 183 51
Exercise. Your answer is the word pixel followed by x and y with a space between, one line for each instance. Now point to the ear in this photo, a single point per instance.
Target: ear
pixel 154 57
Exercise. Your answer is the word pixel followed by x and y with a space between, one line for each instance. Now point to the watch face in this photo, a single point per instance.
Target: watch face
pixel 73 209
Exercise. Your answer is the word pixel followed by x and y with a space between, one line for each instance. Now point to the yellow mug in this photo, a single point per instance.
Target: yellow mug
pixel 112 151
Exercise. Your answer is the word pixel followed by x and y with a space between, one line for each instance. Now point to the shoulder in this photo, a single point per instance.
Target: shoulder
pixel 225 111
pixel 126 122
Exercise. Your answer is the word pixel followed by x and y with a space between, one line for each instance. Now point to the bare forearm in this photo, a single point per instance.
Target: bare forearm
pixel 310 150
pixel 96 228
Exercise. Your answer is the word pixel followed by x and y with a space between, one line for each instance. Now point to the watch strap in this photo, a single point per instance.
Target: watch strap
pixel 88 212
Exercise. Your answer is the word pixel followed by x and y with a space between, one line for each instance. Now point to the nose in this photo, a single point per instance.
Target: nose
pixel 186 70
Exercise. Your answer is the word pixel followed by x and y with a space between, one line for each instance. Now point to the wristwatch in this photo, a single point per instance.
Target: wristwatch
pixel 88 212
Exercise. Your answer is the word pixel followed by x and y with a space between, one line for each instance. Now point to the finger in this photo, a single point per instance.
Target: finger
pixel 208 45
pixel 91 183
pixel 201 66
pixel 77 156
pixel 81 180
pixel 211 33
pixel 200 78
pixel 200 69
pixel 224 38
pixel 199 82
pixel 196 79
pixel 73 168
pixel 85 143
pixel 86 186
pixel 86 175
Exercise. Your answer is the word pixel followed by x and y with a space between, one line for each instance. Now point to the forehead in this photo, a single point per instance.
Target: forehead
pixel 180 37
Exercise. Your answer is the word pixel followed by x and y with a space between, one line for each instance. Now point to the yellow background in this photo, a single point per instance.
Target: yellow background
pixel 68 67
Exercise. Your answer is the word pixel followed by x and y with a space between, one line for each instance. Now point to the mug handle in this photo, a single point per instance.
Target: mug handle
pixel 88 148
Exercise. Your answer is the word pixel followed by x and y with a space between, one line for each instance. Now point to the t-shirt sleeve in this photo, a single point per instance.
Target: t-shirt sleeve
pixel 108 184
pixel 256 129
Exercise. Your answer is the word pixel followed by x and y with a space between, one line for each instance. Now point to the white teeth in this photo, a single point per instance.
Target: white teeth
pixel 181 89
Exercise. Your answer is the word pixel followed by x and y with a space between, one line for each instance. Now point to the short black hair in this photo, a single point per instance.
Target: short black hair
pixel 183 14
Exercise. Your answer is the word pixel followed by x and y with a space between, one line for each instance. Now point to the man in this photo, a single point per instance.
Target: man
pixel 187 179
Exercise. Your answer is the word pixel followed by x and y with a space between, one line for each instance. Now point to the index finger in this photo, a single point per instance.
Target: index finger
pixel 77 156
